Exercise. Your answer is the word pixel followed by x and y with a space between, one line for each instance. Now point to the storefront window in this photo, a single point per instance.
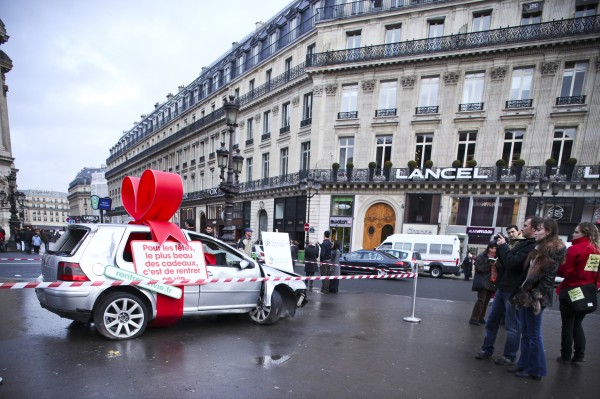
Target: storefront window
pixel 342 206
pixel 483 211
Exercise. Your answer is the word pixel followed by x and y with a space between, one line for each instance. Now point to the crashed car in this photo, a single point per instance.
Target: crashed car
pixel 123 312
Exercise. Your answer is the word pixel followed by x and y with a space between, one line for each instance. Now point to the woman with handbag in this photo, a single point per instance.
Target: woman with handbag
pixel 580 269
pixel 534 295
pixel 483 283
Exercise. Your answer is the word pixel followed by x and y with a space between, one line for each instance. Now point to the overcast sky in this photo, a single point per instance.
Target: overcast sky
pixel 85 70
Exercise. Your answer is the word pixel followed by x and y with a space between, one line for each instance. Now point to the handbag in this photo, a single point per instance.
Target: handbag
pixel 582 299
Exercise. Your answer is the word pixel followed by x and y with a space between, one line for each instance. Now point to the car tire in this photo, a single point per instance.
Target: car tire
pixel 121 315
pixel 436 272
pixel 266 315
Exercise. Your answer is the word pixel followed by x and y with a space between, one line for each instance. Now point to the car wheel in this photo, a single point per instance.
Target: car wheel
pixel 436 272
pixel 265 315
pixel 121 315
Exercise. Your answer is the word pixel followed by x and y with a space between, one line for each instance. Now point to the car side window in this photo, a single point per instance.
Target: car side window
pixel 135 236
pixel 216 254
pixel 353 255
pixel 377 256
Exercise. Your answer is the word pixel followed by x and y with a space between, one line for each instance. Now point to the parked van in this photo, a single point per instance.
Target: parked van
pixel 441 254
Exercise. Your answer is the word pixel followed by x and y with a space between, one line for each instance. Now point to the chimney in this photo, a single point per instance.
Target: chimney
pixel 169 96
pixel 156 105
pixel 259 25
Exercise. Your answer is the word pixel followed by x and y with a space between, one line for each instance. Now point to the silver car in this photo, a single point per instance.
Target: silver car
pixel 123 312
pixel 412 257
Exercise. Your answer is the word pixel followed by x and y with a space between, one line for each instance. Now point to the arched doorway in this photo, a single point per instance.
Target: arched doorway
pixel 380 222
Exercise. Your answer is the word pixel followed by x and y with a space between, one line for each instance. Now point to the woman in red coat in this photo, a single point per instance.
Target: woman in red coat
pixel 586 242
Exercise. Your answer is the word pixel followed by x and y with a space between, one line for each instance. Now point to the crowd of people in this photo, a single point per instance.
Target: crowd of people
pixel 31 240
pixel 519 272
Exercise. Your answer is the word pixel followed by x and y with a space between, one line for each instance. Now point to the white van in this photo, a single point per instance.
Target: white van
pixel 441 254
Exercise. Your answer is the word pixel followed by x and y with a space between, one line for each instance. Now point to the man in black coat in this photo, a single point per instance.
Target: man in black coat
pixel 510 266
pixel 26 236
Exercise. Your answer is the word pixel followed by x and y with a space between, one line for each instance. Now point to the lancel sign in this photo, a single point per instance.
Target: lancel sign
pixel 465 173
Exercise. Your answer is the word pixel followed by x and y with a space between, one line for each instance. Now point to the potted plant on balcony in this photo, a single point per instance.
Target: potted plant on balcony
pixel 471 163
pixel 387 169
pixel 518 168
pixel 550 164
pixel 335 167
pixel 457 164
pixel 412 164
pixel 570 167
pixel 372 166
pixel 428 165
pixel 349 168
pixel 500 165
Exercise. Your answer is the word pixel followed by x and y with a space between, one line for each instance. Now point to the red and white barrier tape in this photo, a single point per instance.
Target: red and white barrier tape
pixel 20 258
pixel 76 284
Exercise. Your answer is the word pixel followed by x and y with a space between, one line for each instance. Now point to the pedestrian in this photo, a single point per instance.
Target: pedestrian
pixel 325 258
pixel 26 237
pixel 36 241
pixel 514 235
pixel 577 270
pixel 334 268
pixel 245 243
pixel 484 283
pixel 18 243
pixel 294 252
pixel 467 265
pixel 46 239
pixel 534 295
pixel 510 266
pixel 189 224
pixel 209 231
pixel 311 253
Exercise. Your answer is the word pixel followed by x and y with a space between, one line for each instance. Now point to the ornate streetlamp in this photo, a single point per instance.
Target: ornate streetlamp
pixel 544 185
pixel 226 159
pixel 14 198
pixel 311 188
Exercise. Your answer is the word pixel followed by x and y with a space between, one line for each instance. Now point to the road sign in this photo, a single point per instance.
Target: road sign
pixel 105 203
pixel 306 226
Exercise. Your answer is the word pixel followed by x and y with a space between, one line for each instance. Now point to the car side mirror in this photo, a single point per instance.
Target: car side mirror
pixel 244 264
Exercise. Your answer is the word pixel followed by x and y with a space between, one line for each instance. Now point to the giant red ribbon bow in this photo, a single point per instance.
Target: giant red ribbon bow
pixel 152 200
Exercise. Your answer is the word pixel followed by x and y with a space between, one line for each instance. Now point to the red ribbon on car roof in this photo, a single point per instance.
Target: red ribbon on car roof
pixel 152 200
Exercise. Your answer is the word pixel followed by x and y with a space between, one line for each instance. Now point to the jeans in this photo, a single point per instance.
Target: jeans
pixel 533 358
pixel 571 332
pixel 501 307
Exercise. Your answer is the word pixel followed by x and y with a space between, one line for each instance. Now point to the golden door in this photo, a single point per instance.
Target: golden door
pixel 380 222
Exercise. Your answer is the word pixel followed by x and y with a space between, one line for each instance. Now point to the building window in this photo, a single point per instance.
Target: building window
pixel 520 88
pixel 251 85
pixel 288 67
pixel 310 52
pixel 227 74
pixel 307 110
pixel 285 115
pixel 353 40
pixel 268 75
pixel 346 145
pixel 466 146
pixel 473 92
pixel 387 98
pixel 349 107
pixel 266 123
pixel 563 144
pixel 573 79
pixel 283 161
pixel 392 33
pixel 587 10
pixel 532 13
pixel 513 144
pixel 265 165
pixel 249 169
pixel 423 149
pixel 482 21
pixel 434 32
pixel 383 150
pixel 428 96
pixel 305 156
pixel 250 129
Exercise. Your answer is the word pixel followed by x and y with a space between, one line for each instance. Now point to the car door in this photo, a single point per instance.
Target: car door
pixel 223 262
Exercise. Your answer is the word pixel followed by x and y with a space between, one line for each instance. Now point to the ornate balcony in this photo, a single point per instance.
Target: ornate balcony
pixel 570 100
pixel 265 136
pixel 519 103
pixel 470 107
pixel 348 115
pixel 284 129
pixel 386 112
pixel 432 109
pixel 306 122
pixel 249 142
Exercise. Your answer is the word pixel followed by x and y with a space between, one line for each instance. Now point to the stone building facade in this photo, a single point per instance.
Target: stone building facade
pixel 441 117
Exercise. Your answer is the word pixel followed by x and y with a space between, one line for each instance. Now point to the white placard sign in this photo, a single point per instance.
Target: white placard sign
pixel 277 251
pixel 169 261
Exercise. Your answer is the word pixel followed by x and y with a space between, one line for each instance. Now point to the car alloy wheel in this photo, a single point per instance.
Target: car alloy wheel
pixel 121 315
pixel 265 315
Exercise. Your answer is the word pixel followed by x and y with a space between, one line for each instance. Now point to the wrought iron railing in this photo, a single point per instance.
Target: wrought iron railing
pixel 284 129
pixel 432 109
pixel 305 122
pixel 570 100
pixel 470 107
pixel 348 115
pixel 386 112
pixel 355 8
pixel 565 28
pixel 519 103
pixel 249 142
pixel 265 136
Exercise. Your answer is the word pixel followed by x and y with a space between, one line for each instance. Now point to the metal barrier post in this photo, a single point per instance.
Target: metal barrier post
pixel 412 318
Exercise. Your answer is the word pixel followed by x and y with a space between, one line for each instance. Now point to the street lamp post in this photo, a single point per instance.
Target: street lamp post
pixel 233 163
pixel 555 187
pixel 544 185
pixel 13 197
pixel 311 188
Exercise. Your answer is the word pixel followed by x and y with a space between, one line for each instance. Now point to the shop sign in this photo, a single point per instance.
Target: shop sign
pixel 443 174
pixel 419 229
pixel 480 231
pixel 340 221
